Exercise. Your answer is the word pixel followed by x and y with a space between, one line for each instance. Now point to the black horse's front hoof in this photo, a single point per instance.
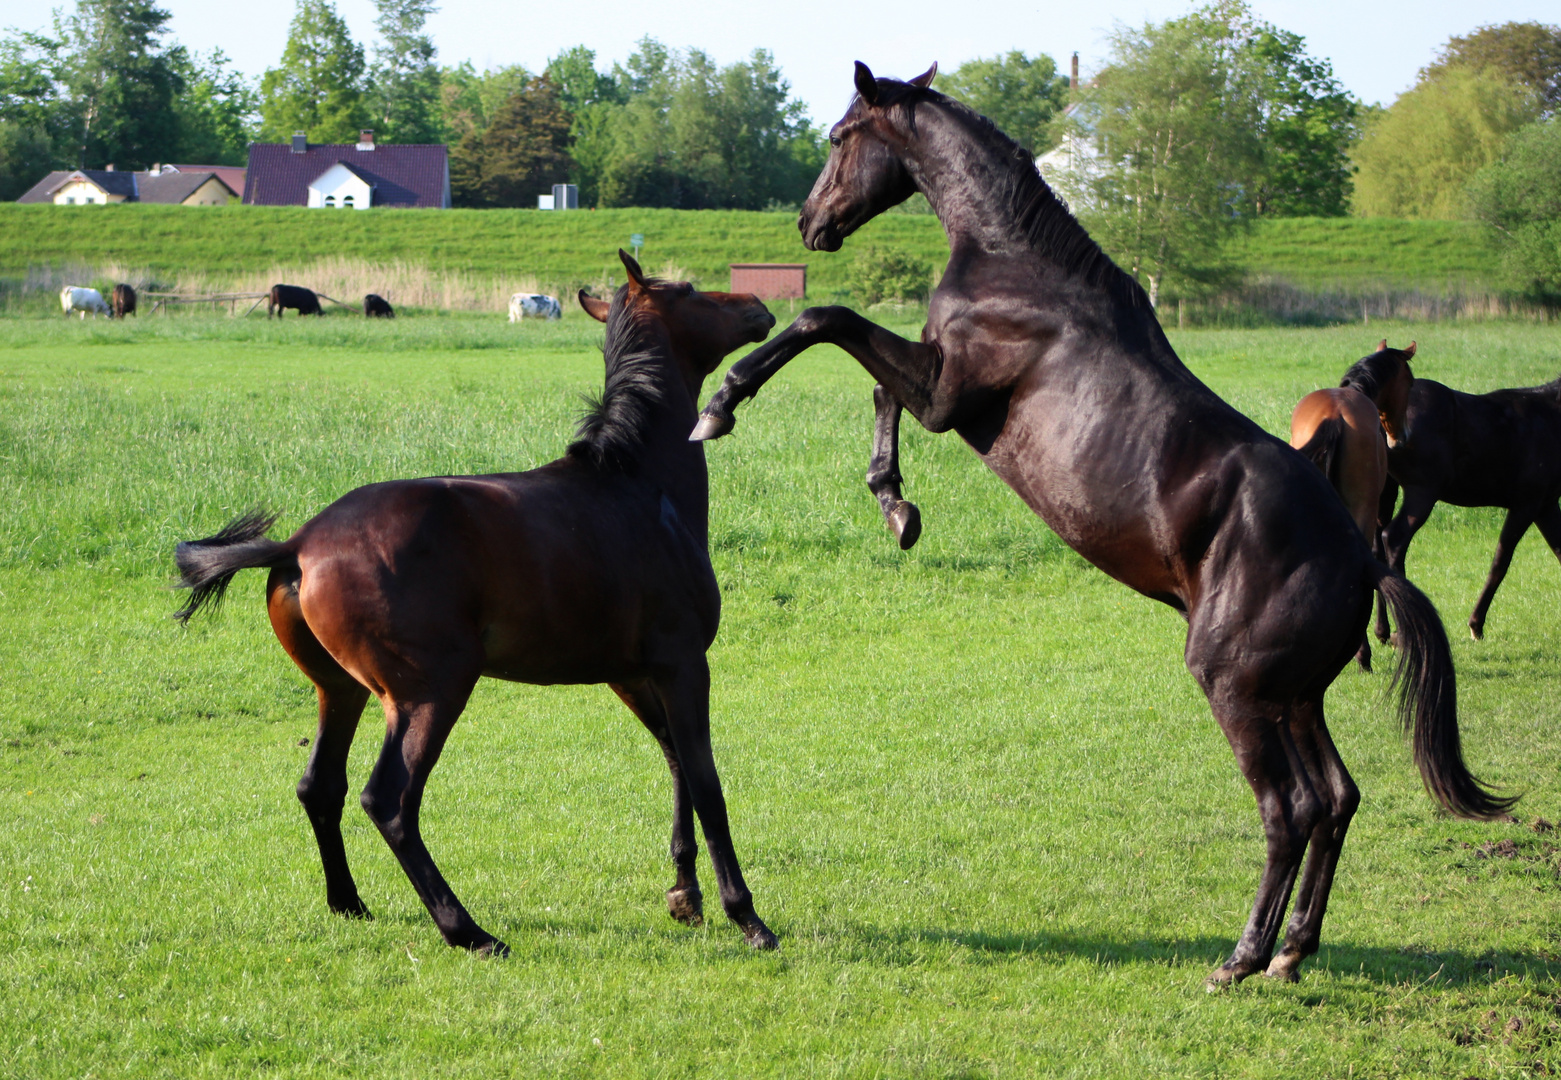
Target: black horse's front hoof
pixel 351 909
pixel 492 949
pixel 760 936
pixel 905 522
pixel 687 906
pixel 1477 631
pixel 712 426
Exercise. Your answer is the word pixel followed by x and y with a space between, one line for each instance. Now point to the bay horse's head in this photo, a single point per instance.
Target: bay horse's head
pixel 865 173
pixel 1385 377
pixel 702 327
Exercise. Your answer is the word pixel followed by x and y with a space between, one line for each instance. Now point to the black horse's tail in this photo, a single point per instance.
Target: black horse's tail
pixel 206 566
pixel 1428 701
pixel 1322 449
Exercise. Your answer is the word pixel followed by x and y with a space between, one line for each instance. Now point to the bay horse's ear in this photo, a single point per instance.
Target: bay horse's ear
pixel 636 275
pixel 1411 350
pixel 1382 345
pixel 924 80
pixel 596 309
pixel 866 85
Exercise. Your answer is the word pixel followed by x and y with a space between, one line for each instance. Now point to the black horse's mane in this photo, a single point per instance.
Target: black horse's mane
pixel 611 432
pixel 1042 217
pixel 1371 373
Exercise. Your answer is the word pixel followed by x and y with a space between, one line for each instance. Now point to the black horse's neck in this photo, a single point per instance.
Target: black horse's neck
pixel 990 198
pixel 639 424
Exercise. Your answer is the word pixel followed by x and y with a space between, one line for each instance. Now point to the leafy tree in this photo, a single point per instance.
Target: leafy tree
pixel 404 85
pixel 318 88
pixel 1528 54
pixel 1518 197
pixel 1176 120
pixel 469 101
pixel 1019 94
pixel 217 113
pixel 1416 158
pixel 523 152
pixel 590 97
pixel 1308 122
pixel 35 119
pixel 880 273
pixel 120 80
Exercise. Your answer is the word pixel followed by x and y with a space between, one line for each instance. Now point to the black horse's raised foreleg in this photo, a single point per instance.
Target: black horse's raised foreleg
pixel 908 370
pixel 883 471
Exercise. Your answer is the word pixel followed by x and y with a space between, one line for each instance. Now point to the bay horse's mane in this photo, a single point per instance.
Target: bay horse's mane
pixel 1042 217
pixel 611 432
pixel 1371 373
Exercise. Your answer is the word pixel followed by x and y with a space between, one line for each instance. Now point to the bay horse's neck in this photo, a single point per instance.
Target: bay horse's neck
pixel 667 459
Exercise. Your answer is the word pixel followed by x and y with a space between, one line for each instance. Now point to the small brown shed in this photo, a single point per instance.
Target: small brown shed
pixel 771 281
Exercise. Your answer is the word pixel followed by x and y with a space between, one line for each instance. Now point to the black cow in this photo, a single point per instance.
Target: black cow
pixel 123 301
pixel 376 306
pixel 292 296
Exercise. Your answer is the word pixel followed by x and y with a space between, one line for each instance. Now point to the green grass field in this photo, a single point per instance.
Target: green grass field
pixel 974 789
pixel 575 248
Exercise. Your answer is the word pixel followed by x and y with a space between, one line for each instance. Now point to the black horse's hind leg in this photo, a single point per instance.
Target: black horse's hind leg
pixel 1379 548
pixel 1418 504
pixel 1549 522
pixel 685 695
pixel 907 369
pixel 1519 518
pixel 1332 780
pixel 685 902
pixel 883 471
pixel 1269 759
pixel 415 734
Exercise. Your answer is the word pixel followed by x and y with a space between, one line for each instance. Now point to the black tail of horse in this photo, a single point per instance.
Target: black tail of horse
pixel 1322 449
pixel 206 566
pixel 1428 701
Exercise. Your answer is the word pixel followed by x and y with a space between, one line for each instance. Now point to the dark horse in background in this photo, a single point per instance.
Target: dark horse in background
pixel 593 569
pixel 283 297
pixel 1498 449
pixel 1047 359
pixel 123 300
pixel 1344 431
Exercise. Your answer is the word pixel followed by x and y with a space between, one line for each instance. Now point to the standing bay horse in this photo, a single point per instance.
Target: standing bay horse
pixel 1342 432
pixel 1498 449
pixel 1047 359
pixel 592 569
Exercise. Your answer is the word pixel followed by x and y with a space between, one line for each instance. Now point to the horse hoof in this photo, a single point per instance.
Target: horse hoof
pixel 1477 631
pixel 905 523
pixel 1286 967
pixel 687 906
pixel 712 426
pixel 354 909
pixel 1227 975
pixel 1363 658
pixel 492 949
pixel 761 937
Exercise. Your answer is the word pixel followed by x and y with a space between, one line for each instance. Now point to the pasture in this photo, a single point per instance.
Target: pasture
pixel 974 790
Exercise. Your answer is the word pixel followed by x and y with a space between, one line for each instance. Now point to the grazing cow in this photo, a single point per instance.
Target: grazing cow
pixel 76 298
pixel 123 300
pixel 292 296
pixel 536 305
pixel 376 306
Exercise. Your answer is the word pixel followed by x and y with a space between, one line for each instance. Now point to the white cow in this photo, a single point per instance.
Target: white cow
pixel 537 305
pixel 75 298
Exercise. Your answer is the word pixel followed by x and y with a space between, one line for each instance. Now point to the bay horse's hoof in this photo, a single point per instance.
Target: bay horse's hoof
pixel 1227 975
pixel 760 936
pixel 712 426
pixel 1477 631
pixel 1286 967
pixel 687 906
pixel 905 522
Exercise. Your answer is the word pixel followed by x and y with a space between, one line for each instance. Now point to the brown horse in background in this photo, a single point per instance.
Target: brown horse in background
pixel 1341 431
pixel 1048 361
pixel 592 569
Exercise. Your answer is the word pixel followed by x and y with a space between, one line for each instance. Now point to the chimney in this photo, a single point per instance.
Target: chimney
pixel 109 167
pixel 1073 83
pixel 300 142
pixel 366 139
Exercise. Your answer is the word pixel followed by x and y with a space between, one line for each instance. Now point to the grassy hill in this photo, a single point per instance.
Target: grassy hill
pixel 578 248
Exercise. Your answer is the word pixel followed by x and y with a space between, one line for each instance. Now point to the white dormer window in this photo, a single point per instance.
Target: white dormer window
pixel 330 200
pixel 347 202
pixel 70 200
pixel 340 186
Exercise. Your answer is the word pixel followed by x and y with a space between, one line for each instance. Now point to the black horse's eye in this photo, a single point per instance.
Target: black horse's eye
pixel 834 140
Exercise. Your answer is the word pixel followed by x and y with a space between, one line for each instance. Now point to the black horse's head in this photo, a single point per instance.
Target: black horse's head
pixel 865 173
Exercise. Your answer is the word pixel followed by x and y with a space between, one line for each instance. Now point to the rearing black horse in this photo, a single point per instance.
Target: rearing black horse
pixel 1047 359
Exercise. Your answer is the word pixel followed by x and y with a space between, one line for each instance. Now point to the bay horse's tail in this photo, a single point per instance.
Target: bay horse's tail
pixel 1323 448
pixel 206 566
pixel 1428 700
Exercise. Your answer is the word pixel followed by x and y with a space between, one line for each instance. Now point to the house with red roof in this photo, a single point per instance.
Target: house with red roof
pixel 346 175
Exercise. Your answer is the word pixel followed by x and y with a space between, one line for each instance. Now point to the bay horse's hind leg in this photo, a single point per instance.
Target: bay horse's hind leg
pixel 1341 797
pixel 1268 757
pixel 415 734
pixel 1379 548
pixel 323 788
pixel 685 902
pixel 685 696
pixel 883 471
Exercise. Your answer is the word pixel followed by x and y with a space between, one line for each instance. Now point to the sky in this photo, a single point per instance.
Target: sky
pixel 1376 46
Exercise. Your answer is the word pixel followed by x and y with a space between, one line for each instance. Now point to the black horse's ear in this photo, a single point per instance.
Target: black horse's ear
pixel 636 275
pixel 866 85
pixel 924 80
pixel 596 309
pixel 1382 346
pixel 1411 350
